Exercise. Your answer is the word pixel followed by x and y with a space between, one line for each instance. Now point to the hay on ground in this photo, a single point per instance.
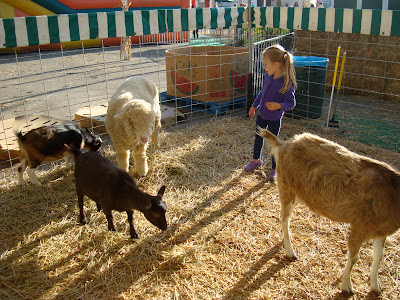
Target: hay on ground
pixel 224 240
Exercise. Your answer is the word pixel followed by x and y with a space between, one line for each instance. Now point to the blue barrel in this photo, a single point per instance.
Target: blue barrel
pixel 310 92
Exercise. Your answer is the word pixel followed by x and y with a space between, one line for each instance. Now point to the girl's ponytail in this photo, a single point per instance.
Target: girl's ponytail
pixel 289 72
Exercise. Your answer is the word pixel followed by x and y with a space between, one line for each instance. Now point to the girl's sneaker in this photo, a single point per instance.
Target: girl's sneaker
pixel 271 176
pixel 251 166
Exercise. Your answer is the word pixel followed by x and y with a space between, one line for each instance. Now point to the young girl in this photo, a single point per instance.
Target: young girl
pixel 275 97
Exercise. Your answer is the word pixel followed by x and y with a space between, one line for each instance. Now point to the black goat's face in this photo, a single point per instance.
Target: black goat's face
pixel 155 212
pixel 156 217
pixel 92 142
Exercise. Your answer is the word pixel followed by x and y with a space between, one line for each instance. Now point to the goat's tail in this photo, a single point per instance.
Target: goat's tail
pixel 19 123
pixel 18 134
pixel 273 140
pixel 74 151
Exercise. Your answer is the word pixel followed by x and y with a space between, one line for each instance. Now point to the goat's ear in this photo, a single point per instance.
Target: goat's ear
pixel 161 191
pixel 88 130
pixel 162 205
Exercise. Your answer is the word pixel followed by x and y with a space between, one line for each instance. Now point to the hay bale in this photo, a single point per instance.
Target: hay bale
pixel 372 62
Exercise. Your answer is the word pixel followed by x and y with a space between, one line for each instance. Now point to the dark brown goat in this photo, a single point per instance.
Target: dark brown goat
pixel 342 186
pixel 114 189
pixel 49 143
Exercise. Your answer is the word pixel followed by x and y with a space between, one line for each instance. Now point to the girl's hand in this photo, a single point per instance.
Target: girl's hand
pixel 252 111
pixel 273 105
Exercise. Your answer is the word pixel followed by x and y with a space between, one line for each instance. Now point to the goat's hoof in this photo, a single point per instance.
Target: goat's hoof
pixel 83 221
pixel 291 257
pixel 376 289
pixel 375 285
pixel 346 290
pixel 134 236
pixel 142 171
pixel 346 294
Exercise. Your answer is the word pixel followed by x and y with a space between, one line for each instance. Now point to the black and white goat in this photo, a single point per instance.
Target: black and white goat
pixel 48 143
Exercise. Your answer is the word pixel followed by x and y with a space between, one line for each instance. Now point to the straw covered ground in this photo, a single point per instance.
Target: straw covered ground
pixel 224 240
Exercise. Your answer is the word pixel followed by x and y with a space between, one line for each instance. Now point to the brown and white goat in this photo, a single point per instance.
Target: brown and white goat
pixel 48 143
pixel 114 189
pixel 342 186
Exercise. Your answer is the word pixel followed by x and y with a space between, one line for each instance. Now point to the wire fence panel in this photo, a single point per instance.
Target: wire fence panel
pixel 203 72
pixel 285 40
pixel 364 106
pixel 59 85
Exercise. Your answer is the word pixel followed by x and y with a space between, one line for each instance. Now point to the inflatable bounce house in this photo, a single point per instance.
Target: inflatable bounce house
pixel 24 8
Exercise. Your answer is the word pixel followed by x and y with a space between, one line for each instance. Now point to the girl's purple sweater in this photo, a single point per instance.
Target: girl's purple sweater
pixel 270 93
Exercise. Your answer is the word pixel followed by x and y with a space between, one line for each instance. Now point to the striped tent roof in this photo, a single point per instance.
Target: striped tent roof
pixel 363 21
pixel 42 30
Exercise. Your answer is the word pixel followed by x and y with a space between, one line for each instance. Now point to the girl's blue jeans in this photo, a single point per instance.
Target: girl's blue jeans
pixel 274 127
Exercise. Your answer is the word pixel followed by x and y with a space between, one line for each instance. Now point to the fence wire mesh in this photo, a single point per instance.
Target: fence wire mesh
pixel 206 76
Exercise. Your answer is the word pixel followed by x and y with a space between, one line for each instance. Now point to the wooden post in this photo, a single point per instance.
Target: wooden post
pixel 126 43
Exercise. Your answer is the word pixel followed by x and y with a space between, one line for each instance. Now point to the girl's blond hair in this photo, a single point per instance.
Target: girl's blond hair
pixel 277 53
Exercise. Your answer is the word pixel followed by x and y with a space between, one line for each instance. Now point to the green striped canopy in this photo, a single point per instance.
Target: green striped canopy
pixel 42 30
pixel 364 21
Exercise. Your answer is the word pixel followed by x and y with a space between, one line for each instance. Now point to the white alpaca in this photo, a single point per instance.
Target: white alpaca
pixel 133 116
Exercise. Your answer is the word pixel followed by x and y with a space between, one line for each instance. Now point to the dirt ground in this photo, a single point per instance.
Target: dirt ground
pixel 58 83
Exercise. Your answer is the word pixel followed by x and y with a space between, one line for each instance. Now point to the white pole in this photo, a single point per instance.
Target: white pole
pixel 385 4
pixel 249 36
